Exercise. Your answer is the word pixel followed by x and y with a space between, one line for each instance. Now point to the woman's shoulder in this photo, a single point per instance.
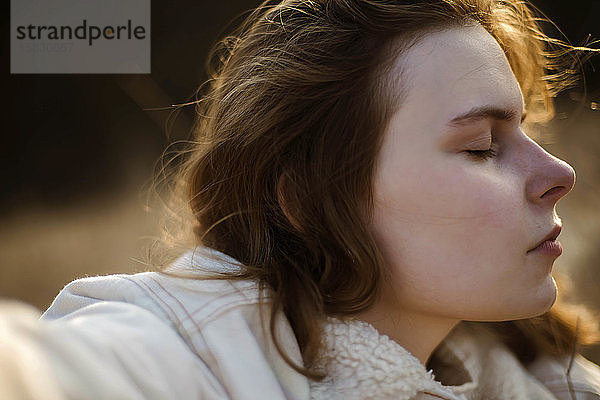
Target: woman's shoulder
pixel 214 321
pixel 185 288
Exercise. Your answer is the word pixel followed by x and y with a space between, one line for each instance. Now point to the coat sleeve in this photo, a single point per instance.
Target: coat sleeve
pixel 104 350
pixel 584 377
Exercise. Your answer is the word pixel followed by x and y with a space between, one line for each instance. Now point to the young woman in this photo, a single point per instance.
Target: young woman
pixel 368 220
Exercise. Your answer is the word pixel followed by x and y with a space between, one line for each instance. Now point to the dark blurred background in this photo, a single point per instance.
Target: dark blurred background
pixel 80 151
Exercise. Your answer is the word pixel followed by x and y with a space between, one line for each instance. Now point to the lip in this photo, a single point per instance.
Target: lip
pixel 549 244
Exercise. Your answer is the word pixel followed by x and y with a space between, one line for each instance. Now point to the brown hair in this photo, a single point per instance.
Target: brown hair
pixel 279 172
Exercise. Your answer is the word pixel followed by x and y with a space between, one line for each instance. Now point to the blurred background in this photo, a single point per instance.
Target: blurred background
pixel 80 152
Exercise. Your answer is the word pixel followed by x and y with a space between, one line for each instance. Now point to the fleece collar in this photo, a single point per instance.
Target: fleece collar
pixel 470 364
pixel 361 363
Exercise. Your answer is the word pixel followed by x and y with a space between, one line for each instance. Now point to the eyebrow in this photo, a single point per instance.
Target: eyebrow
pixel 482 112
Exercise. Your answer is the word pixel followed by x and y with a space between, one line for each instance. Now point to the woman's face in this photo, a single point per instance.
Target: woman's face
pixel 456 229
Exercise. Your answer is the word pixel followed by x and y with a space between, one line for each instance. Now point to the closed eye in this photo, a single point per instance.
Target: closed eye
pixel 484 154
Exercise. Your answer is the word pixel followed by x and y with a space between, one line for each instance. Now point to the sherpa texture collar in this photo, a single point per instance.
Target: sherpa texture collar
pixel 361 363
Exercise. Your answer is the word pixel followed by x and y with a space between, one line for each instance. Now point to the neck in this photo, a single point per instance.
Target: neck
pixel 418 333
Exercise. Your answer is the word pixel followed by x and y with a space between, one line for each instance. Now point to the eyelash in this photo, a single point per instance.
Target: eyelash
pixel 484 154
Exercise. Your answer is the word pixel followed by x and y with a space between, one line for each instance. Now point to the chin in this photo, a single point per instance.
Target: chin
pixel 554 296
pixel 546 298
pixel 527 307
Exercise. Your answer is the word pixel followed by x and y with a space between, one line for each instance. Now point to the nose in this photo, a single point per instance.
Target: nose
pixel 551 177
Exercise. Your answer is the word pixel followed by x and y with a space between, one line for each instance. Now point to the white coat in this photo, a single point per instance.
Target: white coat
pixel 152 336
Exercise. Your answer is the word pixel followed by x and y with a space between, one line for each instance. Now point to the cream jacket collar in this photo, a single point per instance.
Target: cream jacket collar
pixel 361 363
pixel 470 363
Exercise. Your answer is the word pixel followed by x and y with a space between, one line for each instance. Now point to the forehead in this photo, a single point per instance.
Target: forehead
pixel 450 71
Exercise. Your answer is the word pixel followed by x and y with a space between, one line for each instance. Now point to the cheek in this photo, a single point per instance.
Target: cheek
pixel 443 196
pixel 449 224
